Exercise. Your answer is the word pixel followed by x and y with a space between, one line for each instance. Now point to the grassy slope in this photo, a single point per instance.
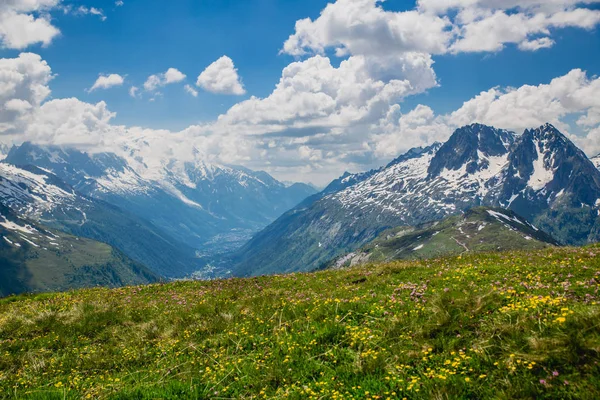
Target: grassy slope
pixel 475 231
pixel 61 262
pixel 504 325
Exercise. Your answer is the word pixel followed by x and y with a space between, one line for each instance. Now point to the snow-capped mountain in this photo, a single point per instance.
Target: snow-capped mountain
pixel 36 194
pixel 596 161
pixel 540 175
pixel 210 207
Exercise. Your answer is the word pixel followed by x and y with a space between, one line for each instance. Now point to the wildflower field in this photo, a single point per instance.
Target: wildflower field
pixel 505 326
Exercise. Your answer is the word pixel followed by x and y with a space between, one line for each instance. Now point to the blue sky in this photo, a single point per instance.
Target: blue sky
pixel 146 37
pixel 142 38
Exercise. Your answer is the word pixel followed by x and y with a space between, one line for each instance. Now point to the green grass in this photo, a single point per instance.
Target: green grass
pixel 505 326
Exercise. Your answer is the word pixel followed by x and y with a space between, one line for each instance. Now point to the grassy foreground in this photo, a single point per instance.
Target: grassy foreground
pixel 506 326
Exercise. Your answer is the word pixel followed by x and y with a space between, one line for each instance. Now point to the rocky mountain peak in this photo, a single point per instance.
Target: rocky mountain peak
pixel 471 147
pixel 545 167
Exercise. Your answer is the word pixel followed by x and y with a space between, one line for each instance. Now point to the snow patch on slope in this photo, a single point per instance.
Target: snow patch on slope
pixel 541 175
pixel 24 189
pixel 499 215
pixel 11 226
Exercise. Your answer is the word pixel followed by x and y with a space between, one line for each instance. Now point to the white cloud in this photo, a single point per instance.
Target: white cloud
pixel 172 75
pixel 315 94
pixel 307 153
pixel 133 91
pixel 530 106
pixel 491 30
pixel 221 77
pixel 363 27
pixel 399 132
pixel 443 6
pixel 152 83
pixel 319 120
pixel 18 105
pixel 83 10
pixel 19 27
pixel 517 109
pixel 23 87
pixel 536 44
pixel 71 122
pixel 27 22
pixel 191 90
pixel 119 3
pixel 107 81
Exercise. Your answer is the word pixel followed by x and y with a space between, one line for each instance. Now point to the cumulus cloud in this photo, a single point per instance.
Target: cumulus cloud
pixel 156 81
pixel 71 122
pixel 399 132
pixel 437 26
pixel 221 77
pixel 19 27
pixel 491 30
pixel 27 22
pixel 23 87
pixel 107 81
pixel 517 109
pixel 443 6
pixel 363 27
pixel 315 94
pixel 529 106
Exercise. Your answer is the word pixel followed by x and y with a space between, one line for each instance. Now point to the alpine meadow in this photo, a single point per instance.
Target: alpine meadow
pixel 322 199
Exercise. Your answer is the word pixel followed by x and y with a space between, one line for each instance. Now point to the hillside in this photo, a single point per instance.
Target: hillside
pixel 540 174
pixel 40 196
pixel 36 259
pixel 504 325
pixel 479 229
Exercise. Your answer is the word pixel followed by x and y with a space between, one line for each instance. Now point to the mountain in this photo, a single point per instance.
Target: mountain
pixel 212 208
pixel 35 259
pixel 540 175
pixel 596 161
pixel 40 196
pixel 480 229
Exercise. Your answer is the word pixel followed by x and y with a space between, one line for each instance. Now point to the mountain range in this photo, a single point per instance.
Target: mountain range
pixel 211 208
pixel 541 175
pixel 194 218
